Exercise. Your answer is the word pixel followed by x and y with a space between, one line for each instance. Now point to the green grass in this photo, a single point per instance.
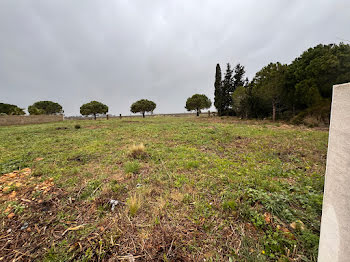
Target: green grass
pixel 211 188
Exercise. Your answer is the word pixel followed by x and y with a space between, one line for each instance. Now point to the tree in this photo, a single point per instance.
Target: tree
pixel 303 87
pixel 227 89
pixel 93 108
pixel 142 106
pixel 45 107
pixel 197 102
pixel 218 99
pixel 315 72
pixel 238 77
pixel 269 83
pixel 240 101
pixel 307 93
pixel 8 109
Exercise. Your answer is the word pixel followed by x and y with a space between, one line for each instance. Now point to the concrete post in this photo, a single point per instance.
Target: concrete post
pixel 335 223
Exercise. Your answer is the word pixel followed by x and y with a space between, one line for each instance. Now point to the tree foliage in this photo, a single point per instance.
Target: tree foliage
pixel 9 109
pixel 226 87
pixel 238 77
pixel 197 102
pixel 218 94
pixel 268 85
pixel 32 110
pixel 142 106
pixel 45 107
pixel 93 108
pixel 240 101
pixel 284 91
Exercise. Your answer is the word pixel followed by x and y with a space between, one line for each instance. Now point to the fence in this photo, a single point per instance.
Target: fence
pixel 25 120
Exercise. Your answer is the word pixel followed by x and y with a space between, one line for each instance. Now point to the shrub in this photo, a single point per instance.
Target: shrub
pixel 314 116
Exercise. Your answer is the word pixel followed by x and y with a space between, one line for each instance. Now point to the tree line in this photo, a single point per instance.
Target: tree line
pixel 195 103
pixel 94 108
pixel 292 91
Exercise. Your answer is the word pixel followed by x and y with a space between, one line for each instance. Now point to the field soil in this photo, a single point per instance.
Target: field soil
pixel 161 189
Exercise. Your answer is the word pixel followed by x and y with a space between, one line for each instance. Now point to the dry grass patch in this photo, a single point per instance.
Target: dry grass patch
pixel 177 196
pixel 138 151
pixel 133 204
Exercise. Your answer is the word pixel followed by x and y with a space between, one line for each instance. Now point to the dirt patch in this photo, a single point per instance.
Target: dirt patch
pixel 77 158
pixel 17 183
pixel 29 235
pixel 282 126
pixel 38 215
pixel 28 216
pixel 239 142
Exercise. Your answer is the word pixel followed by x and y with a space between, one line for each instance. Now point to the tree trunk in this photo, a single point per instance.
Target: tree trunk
pixel 95 116
pixel 143 114
pixel 273 112
pixel 293 109
pixel 197 112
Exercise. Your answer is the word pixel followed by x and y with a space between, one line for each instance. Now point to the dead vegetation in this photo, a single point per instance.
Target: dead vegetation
pixel 138 151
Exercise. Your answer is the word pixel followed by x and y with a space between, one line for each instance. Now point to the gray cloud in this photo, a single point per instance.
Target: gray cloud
pixel 116 52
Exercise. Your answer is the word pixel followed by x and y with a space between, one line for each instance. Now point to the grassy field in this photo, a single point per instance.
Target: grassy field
pixel 204 189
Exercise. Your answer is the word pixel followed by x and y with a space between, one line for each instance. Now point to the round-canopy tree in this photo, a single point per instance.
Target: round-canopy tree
pixel 9 109
pixel 93 108
pixel 197 102
pixel 45 108
pixel 142 106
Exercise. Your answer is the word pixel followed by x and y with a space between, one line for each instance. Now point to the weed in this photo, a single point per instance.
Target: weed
pixel 132 167
pixel 192 164
pixel 91 188
pixel 275 244
pixel 230 205
pixel 117 187
pixel 133 204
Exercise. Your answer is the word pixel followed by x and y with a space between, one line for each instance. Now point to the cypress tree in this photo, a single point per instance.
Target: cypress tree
pixel 218 90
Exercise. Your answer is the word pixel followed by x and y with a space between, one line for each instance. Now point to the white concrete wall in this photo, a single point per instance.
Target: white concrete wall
pixel 335 223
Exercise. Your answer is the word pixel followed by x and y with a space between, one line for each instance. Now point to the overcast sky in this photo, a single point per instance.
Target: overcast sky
pixel 117 52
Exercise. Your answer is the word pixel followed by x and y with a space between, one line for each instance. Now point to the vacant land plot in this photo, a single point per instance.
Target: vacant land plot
pixel 199 190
